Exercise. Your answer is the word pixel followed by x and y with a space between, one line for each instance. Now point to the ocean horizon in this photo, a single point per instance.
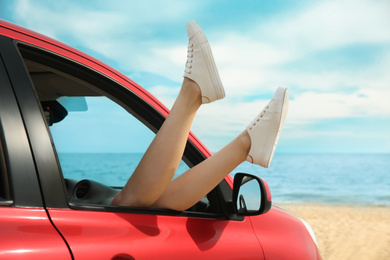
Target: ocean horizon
pixel 342 179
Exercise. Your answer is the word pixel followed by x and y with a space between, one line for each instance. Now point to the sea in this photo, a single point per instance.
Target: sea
pixel 342 179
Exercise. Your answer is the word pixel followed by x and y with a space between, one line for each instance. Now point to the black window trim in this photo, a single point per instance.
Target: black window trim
pixel 18 162
pixel 5 188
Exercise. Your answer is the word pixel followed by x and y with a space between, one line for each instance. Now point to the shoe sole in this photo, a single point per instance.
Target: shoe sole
pixel 283 115
pixel 218 89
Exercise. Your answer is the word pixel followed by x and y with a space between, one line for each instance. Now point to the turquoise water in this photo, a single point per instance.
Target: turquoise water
pixel 315 178
pixel 328 178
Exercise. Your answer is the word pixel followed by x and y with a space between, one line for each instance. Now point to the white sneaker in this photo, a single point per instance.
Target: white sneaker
pixel 200 66
pixel 265 129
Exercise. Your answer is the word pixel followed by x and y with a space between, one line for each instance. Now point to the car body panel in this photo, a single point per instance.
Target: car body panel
pixel 104 235
pixel 29 232
pixel 297 242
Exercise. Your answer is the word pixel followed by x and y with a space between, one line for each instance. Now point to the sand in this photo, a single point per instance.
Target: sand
pixel 347 232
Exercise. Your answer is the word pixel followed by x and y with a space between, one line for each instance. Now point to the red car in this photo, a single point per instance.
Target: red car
pixel 54 202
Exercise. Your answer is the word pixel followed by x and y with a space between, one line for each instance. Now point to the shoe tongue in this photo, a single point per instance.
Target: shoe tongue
pixel 193 37
pixel 190 31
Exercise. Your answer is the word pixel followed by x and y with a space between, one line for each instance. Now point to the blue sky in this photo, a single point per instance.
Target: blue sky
pixel 333 55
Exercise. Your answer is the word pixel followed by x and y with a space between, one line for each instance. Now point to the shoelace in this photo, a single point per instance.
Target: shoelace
pixel 190 55
pixel 259 117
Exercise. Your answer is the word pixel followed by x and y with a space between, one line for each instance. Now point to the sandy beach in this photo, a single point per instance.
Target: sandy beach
pixel 347 232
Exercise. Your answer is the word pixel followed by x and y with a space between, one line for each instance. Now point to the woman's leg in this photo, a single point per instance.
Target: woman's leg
pixel 187 189
pixel 160 161
pixel 256 144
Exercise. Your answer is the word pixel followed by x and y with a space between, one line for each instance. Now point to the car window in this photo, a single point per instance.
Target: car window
pixel 99 136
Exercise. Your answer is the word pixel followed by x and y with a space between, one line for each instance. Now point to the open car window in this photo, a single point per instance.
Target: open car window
pixel 99 129
pixel 97 140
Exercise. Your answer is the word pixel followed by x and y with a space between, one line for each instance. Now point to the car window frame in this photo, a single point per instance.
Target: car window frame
pixel 17 159
pixel 5 193
pixel 51 182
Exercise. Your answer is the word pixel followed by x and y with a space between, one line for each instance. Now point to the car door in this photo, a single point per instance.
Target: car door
pixel 73 178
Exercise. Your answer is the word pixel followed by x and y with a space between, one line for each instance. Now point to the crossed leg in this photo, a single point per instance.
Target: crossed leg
pixel 151 184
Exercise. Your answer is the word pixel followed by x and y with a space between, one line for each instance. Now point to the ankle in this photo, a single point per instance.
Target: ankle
pixel 244 143
pixel 191 91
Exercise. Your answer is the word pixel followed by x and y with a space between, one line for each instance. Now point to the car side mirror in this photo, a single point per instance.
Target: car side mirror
pixel 251 195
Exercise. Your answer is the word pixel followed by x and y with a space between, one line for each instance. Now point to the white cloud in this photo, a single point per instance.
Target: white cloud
pixel 251 64
pixel 250 61
pixel 124 34
pixel 167 95
pixel 311 106
pixel 329 24
pixel 245 64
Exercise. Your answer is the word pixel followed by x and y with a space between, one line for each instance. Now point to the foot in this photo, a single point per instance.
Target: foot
pixel 265 129
pixel 200 66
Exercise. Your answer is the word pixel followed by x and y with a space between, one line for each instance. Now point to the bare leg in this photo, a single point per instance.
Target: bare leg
pixel 257 144
pixel 160 161
pixel 151 183
pixel 187 189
